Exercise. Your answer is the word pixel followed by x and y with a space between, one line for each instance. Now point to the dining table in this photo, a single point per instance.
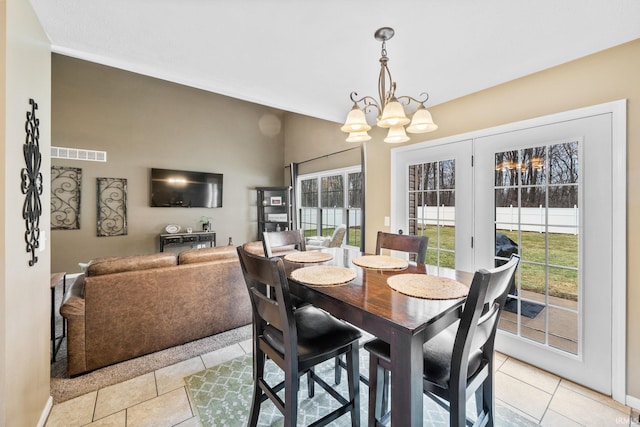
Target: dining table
pixel 405 322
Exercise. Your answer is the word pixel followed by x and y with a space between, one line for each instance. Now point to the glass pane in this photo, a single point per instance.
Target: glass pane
pixel 506 245
pixel 509 318
pixel 533 280
pixel 563 285
pixel 309 193
pixel 532 166
pixel 355 190
pixel 533 197
pixel 414 177
pixel 506 197
pixel 431 199
pixel 430 176
pixel 507 212
pixel 447 238
pixel 447 198
pixel 534 329
pixel 413 227
pixel 563 163
pixel 563 249
pixel 563 329
pixel 563 196
pixel 448 174
pixel 506 174
pixel 332 194
pixel 447 259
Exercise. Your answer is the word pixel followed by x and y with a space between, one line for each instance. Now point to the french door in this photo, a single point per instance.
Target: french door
pixel 548 190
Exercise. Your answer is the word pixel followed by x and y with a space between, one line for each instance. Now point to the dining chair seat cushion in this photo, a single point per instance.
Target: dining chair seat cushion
pixel 436 355
pixel 318 333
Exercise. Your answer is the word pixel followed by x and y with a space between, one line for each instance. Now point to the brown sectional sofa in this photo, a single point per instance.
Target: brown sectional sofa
pixel 124 307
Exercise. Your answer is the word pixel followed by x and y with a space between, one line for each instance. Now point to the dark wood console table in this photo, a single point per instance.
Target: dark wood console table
pixel 181 239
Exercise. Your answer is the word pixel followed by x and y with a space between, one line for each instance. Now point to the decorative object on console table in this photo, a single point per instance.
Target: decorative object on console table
pixel 32 183
pixel 197 238
pixel 112 206
pixel 206 223
pixel 65 197
pixel 274 209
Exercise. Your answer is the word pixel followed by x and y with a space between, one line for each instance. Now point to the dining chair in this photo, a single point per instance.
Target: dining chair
pixel 416 245
pixel 296 341
pixel 458 362
pixel 404 243
pixel 282 242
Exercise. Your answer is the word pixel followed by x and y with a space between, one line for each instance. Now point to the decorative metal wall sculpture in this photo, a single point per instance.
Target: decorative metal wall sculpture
pixel 32 182
pixel 65 198
pixel 112 206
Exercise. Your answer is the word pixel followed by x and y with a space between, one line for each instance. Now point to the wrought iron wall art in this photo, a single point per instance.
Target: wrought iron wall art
pixel 32 182
pixel 112 206
pixel 65 197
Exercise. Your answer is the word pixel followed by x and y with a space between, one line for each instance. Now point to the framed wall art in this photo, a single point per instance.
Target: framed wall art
pixel 65 197
pixel 112 206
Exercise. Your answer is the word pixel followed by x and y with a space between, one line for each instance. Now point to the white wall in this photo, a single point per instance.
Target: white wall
pixel 25 69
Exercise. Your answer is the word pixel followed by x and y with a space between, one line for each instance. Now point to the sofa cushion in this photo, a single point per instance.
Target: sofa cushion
pixel 256 248
pixel 193 256
pixel 110 265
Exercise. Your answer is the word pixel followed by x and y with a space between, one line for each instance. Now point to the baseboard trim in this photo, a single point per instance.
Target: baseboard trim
pixel 633 402
pixel 45 412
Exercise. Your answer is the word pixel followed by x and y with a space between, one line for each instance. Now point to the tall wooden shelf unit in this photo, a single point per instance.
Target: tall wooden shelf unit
pixel 274 209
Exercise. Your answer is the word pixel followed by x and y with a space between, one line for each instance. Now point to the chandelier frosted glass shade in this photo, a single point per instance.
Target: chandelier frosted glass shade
pixel 356 121
pixel 396 135
pixel 358 136
pixel 393 115
pixel 421 122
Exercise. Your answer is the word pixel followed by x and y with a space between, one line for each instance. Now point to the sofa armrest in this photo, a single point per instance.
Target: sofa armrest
pixel 73 309
pixel 73 301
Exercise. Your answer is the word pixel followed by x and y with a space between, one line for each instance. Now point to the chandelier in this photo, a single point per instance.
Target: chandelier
pixel 390 109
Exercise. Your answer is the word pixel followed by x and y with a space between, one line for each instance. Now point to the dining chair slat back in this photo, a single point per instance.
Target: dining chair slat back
pixel 404 243
pixel 282 242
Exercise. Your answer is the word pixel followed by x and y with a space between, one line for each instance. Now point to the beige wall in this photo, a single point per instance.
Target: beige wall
pixel 607 76
pixel 142 123
pixel 311 142
pixel 24 291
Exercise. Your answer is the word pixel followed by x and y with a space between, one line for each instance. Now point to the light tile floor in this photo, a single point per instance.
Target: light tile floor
pixel 160 398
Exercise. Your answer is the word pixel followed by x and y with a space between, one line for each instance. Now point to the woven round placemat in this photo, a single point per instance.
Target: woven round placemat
pixel 427 287
pixel 380 262
pixel 308 256
pixel 323 275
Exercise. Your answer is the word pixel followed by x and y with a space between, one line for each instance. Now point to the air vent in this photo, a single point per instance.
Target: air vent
pixel 78 154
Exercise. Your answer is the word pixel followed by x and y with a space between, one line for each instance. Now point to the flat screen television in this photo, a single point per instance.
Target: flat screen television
pixel 185 189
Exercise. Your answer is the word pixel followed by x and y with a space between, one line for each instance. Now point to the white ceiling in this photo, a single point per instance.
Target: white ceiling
pixel 307 56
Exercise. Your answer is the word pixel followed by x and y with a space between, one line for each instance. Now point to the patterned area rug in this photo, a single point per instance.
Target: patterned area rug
pixel 222 397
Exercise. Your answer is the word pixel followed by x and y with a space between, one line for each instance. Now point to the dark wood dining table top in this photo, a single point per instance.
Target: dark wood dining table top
pixel 368 295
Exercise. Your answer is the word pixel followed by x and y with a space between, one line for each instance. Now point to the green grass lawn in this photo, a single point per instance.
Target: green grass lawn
pixel 562 254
